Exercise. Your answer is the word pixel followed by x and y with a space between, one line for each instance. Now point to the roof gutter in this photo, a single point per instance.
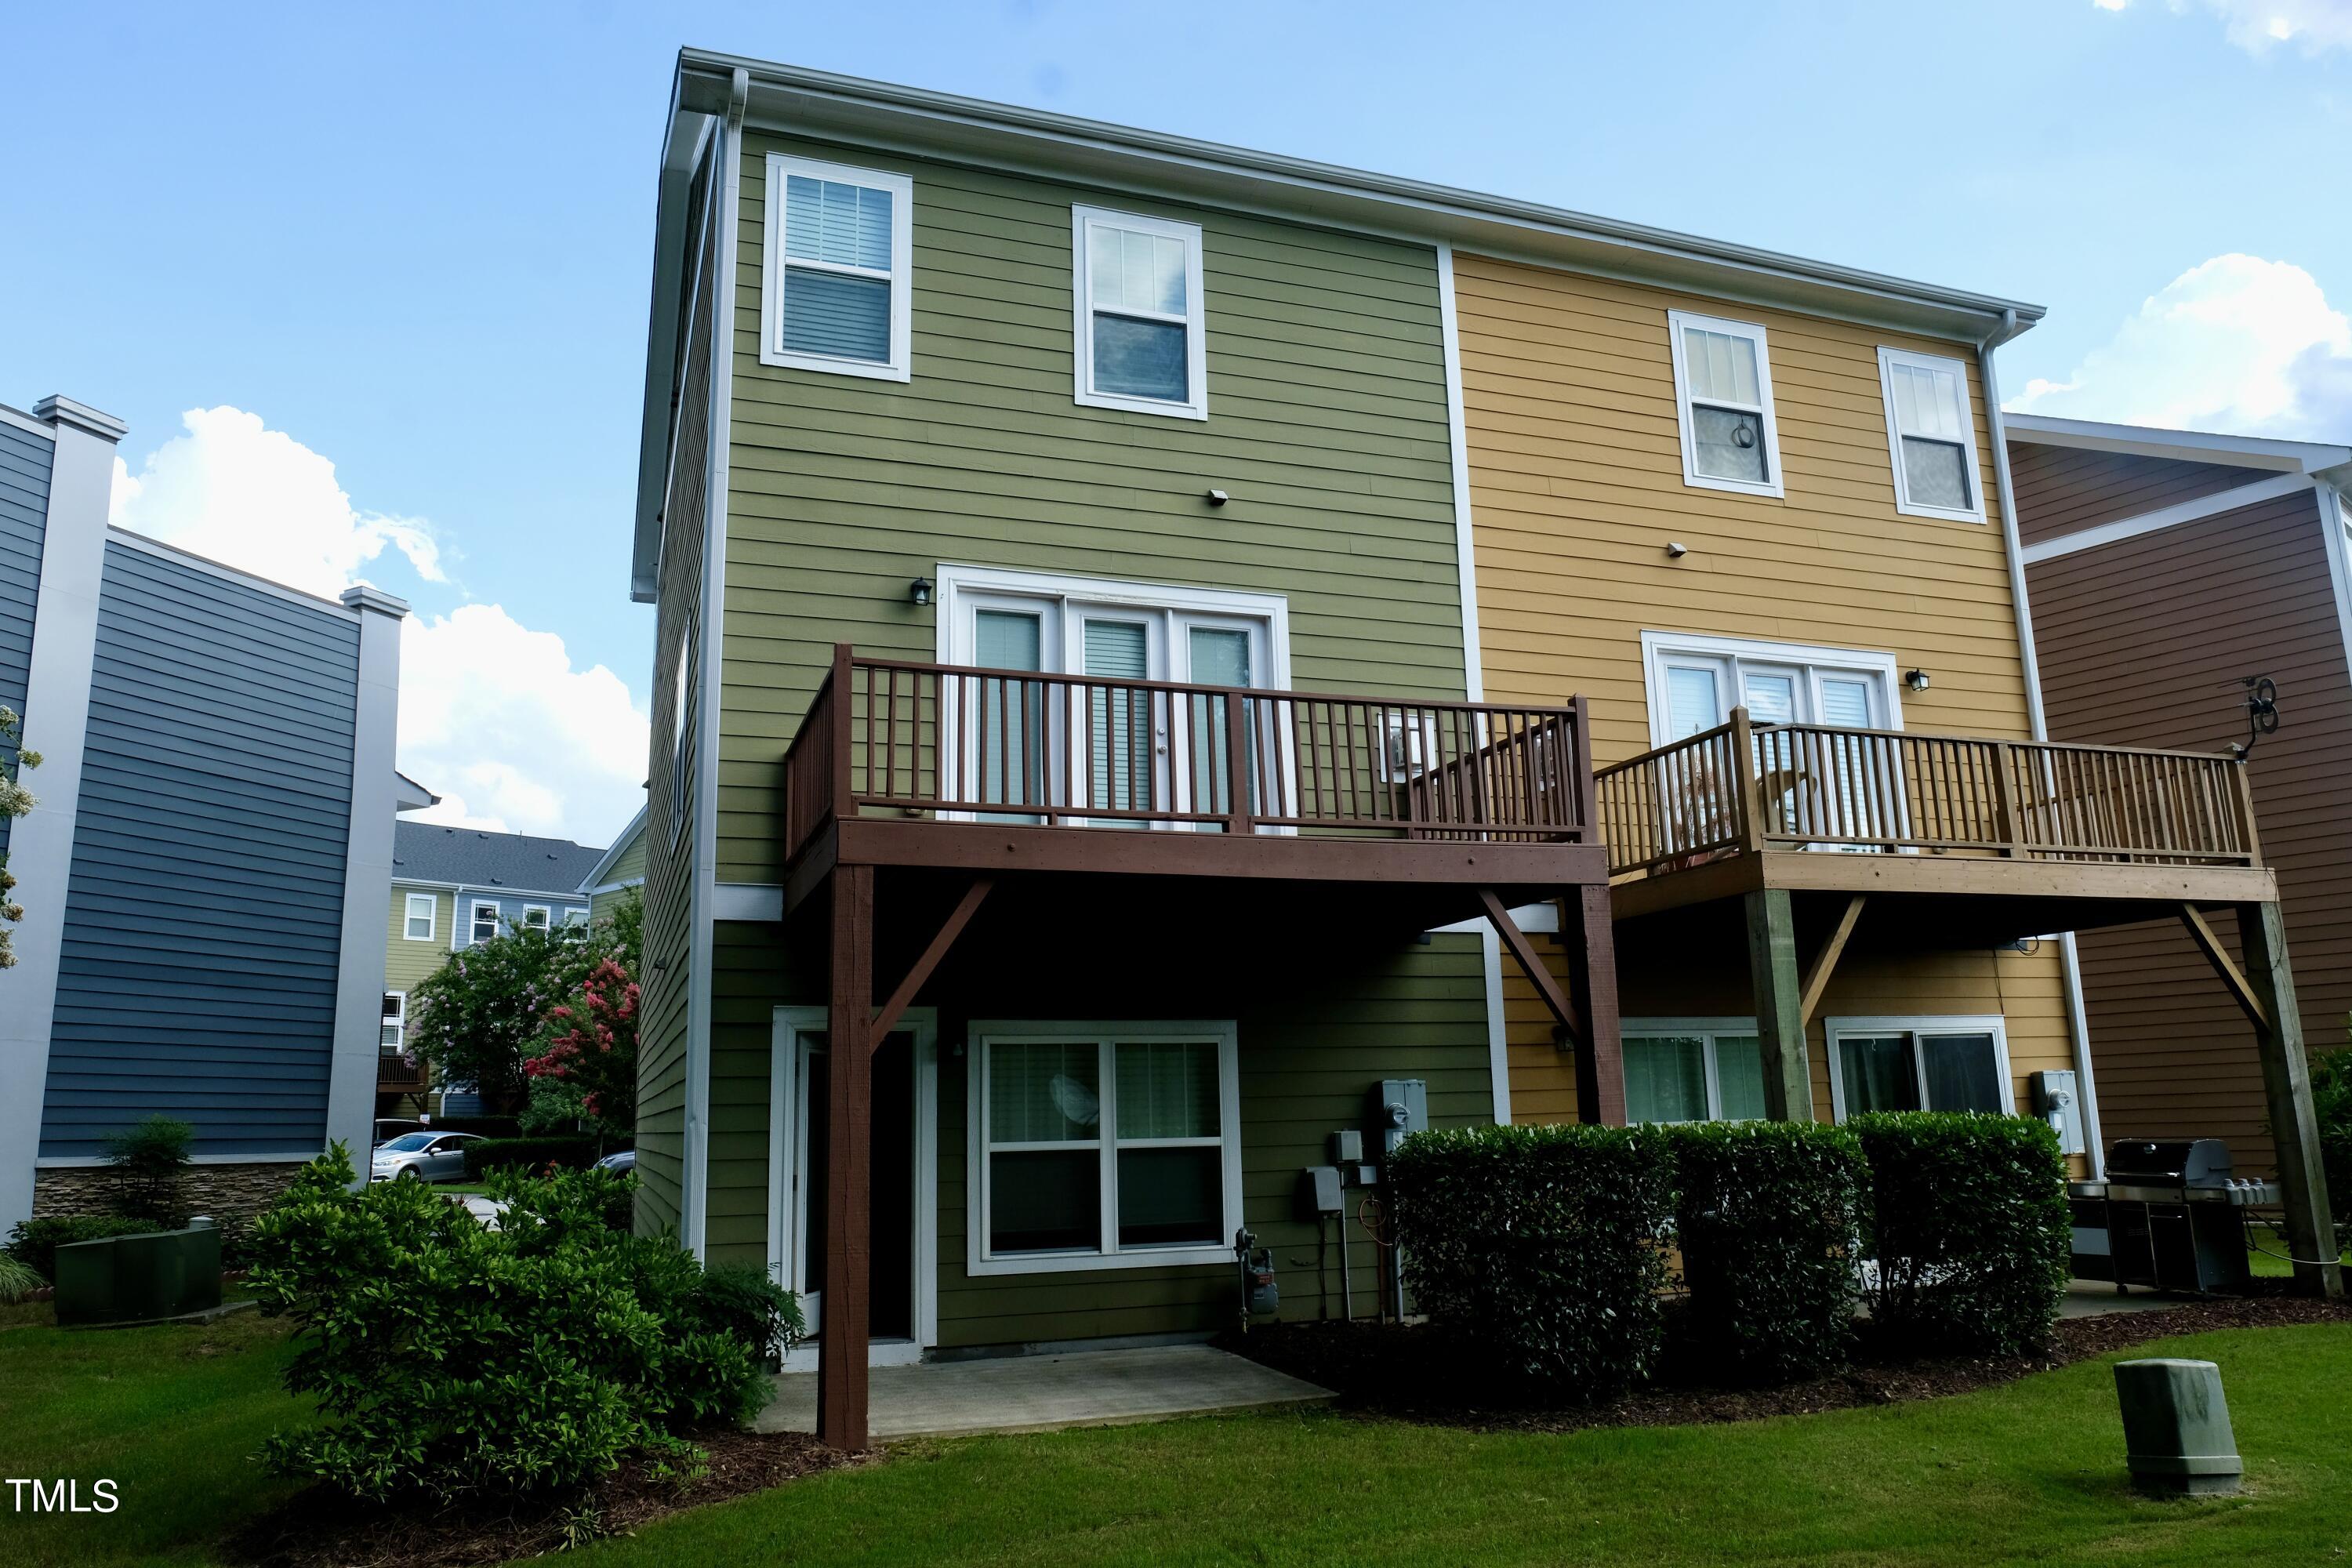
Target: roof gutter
pixel 682 146
pixel 2078 1019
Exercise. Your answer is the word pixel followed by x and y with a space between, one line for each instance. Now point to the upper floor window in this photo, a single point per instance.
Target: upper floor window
pixel 839 253
pixel 575 923
pixel 1723 397
pixel 417 925
pixel 537 917
pixel 485 924
pixel 396 1019
pixel 1931 435
pixel 1141 329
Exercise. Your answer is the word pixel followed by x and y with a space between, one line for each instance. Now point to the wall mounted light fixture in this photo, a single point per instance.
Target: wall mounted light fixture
pixel 1218 498
pixel 1917 679
pixel 1677 549
pixel 918 592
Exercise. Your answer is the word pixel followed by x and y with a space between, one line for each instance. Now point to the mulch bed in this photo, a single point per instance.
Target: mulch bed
pixel 323 1528
pixel 1415 1374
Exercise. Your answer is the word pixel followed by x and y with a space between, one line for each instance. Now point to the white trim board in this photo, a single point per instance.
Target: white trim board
pixel 900 366
pixel 2333 524
pixel 1658 647
pixel 1465 565
pixel 2171 516
pixel 747 900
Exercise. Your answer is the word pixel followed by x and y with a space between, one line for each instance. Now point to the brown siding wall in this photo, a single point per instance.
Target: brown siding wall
pixel 1577 485
pixel 2145 642
pixel 2062 490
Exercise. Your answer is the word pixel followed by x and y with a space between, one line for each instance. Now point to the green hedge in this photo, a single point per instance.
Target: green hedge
pixel 1542 1247
pixel 1768 1215
pixel 570 1152
pixel 454 1361
pixel 1969 1228
pixel 34 1242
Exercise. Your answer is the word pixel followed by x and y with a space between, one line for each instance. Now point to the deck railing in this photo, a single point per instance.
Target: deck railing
pixel 956 742
pixel 396 1073
pixel 1746 787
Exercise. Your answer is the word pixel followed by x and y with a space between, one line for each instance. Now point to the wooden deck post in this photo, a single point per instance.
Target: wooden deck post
pixel 1590 932
pixel 848 1197
pixel 1780 1006
pixel 2287 1085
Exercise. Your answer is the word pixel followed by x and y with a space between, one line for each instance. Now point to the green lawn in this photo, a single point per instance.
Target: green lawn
pixel 2031 1471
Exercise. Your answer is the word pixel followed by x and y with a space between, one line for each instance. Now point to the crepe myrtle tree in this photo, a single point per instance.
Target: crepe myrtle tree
pixel 584 1073
pixel 485 1011
pixel 16 800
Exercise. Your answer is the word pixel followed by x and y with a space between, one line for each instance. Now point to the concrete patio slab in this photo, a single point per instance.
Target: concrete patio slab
pixel 2096 1297
pixel 1045 1392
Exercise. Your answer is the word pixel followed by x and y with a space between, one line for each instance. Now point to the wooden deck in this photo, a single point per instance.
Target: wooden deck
pixel 1983 839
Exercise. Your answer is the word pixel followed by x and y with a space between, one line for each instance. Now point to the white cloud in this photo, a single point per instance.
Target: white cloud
pixel 2237 345
pixel 243 494
pixel 495 720
pixel 493 716
pixel 2259 26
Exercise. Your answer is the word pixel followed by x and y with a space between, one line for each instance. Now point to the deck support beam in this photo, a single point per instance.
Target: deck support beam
pixel 2286 1086
pixel 1533 967
pixel 841 1391
pixel 1817 978
pixel 1780 1005
pixel 1589 929
pixel 2242 990
pixel 951 929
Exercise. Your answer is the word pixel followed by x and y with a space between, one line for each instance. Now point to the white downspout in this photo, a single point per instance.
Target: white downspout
pixel 2078 1021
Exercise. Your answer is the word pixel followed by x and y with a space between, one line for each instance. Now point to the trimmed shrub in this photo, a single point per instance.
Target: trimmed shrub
pixel 448 1359
pixel 149 1161
pixel 1967 1222
pixel 1769 1218
pixel 570 1152
pixel 1540 1247
pixel 34 1242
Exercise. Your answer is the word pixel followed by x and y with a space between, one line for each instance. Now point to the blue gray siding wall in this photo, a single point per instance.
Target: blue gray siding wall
pixel 510 909
pixel 204 921
pixel 24 514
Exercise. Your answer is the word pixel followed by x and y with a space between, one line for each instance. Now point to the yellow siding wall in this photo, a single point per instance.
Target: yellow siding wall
pixel 1577 487
pixel 404 961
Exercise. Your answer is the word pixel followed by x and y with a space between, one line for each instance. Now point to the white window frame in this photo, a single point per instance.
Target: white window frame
pixel 964 590
pixel 1888 358
pixel 432 902
pixel 398 1018
pixel 1683 1028
pixel 685 705
pixel 1107 1035
pixel 1774 484
pixel 1994 1023
pixel 1662 649
pixel 576 920
pixel 546 913
pixel 900 277
pixel 1195 319
pixel 474 918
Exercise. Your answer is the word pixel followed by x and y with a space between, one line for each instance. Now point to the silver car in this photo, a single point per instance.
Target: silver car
pixel 422 1157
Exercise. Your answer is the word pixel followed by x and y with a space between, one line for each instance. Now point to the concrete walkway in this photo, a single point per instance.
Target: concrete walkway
pixel 1044 1393
pixel 2096 1297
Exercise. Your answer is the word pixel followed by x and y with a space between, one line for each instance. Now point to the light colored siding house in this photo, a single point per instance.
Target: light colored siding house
pixel 938 387
pixel 621 872
pixel 212 841
pixel 451 887
pixel 2167 569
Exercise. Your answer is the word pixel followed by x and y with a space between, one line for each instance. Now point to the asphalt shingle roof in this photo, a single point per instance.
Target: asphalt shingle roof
pixel 429 852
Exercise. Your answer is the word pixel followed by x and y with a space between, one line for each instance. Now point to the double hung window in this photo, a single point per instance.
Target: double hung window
pixel 1723 398
pixel 396 1020
pixel 1931 435
pixel 1141 330
pixel 485 923
pixel 839 269
pixel 416 923
pixel 1110 1145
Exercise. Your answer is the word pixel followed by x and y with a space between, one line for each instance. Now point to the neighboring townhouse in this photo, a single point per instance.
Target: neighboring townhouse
pixel 212 841
pixel 1134 622
pixel 451 887
pixel 620 872
pixel 2171 570
pixel 992 462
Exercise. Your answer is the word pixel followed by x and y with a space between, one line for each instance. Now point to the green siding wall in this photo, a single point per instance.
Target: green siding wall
pixel 1313 1040
pixel 1326 427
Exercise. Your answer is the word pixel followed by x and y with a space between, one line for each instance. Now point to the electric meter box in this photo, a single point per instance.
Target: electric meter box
pixel 1398 1105
pixel 2056 1101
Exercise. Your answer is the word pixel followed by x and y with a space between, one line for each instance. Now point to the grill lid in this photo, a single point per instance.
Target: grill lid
pixel 2182 1162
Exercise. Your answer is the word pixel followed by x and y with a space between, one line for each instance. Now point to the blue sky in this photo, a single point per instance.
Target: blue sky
pixel 415 244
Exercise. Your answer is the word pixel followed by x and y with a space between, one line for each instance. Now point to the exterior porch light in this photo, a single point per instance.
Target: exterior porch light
pixel 1917 679
pixel 918 592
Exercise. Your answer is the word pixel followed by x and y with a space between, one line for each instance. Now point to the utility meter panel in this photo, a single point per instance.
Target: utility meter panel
pixel 2056 1101
pixel 1398 1105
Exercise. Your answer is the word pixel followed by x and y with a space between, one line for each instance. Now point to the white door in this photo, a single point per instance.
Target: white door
pixel 1837 786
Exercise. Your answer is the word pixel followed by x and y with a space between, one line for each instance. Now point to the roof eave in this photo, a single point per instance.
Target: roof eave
pixel 2182 446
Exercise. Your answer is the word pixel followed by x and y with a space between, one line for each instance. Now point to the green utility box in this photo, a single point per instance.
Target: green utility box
pixel 2177 1436
pixel 135 1278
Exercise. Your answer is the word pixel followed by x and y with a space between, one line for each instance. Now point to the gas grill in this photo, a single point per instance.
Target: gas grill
pixel 2171 1216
